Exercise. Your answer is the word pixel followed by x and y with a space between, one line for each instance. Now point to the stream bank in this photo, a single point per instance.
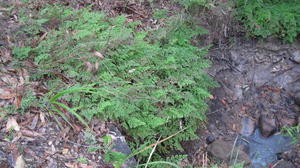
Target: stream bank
pixel 258 96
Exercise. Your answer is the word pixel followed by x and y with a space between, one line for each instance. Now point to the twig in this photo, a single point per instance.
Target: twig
pixel 276 164
pixel 133 10
pixel 42 37
pixel 232 151
pixel 151 153
pixel 158 142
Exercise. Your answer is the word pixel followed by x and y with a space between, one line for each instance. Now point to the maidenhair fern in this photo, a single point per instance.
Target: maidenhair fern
pixel 153 84
pixel 265 18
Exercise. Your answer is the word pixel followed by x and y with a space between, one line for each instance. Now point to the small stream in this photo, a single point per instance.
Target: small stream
pixel 264 151
pixel 259 83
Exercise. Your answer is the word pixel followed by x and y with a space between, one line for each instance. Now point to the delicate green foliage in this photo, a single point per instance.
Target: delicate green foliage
pixel 160 14
pixel 116 158
pixel 89 138
pixel 152 83
pixel 107 140
pixel 264 18
pixel 94 149
pixel 82 160
pixel 10 134
pixel 54 103
pixel 192 3
pixel 238 165
pixel 21 53
pixel 293 132
pixel 29 100
pixel 176 158
pixel 160 164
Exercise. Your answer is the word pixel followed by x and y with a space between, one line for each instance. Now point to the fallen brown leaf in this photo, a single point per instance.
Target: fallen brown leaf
pixel 20 163
pixel 18 101
pixel 34 122
pixel 30 133
pixel 12 124
pixel 71 165
pixel 6 94
pixel 42 117
pixel 5 55
pixel 82 165
pixel 89 66
pixel 98 54
pixel 96 66
pixel 65 151
pixel 77 128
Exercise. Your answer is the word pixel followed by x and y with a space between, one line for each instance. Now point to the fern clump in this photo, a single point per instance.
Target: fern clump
pixel 151 82
pixel 264 18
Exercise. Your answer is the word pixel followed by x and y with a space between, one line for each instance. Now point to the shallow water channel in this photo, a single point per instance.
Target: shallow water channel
pixel 262 151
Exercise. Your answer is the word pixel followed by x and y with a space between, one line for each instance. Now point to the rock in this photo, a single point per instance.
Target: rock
pixel 267 125
pixel 248 126
pixel 210 139
pixel 238 92
pixel 120 145
pixel 295 56
pixel 262 75
pixel 222 150
pixel 284 164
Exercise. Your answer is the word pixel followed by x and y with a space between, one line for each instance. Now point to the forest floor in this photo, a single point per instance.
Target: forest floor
pixel 258 82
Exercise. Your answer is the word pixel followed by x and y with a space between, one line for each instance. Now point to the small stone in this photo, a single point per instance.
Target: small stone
pixel 120 145
pixel 220 149
pixel 267 125
pixel 295 56
pixel 210 139
pixel 248 127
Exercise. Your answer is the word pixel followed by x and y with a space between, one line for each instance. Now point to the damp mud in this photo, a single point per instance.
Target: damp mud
pixel 257 97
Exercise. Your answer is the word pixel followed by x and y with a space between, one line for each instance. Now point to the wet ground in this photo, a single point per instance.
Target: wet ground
pixel 259 83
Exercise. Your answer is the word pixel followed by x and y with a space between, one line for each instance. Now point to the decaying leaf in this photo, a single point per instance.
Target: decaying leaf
pixel 71 165
pixel 30 133
pixel 96 66
pixel 20 163
pixel 5 55
pixel 34 122
pixel 82 165
pixel 98 54
pixel 89 66
pixel 42 117
pixel 18 101
pixel 12 124
pixel 65 151
pixel 6 94
pixel 23 77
